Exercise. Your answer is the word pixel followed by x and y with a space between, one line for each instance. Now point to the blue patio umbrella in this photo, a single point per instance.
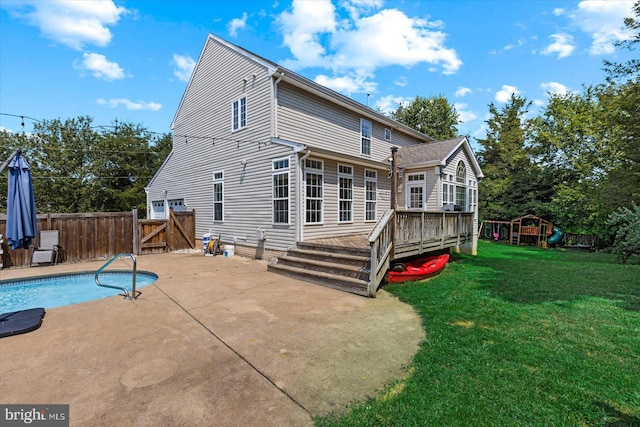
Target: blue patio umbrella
pixel 21 205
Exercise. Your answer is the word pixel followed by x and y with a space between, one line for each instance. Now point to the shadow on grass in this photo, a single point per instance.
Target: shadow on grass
pixel 534 275
pixel 618 419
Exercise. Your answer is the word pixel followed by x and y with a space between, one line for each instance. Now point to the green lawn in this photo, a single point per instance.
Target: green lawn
pixel 519 336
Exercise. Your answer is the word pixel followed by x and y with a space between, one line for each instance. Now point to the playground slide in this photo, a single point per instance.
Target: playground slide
pixel 555 237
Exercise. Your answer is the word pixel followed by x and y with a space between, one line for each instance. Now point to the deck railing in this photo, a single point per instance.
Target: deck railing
pixel 381 242
pixel 404 233
pixel 417 232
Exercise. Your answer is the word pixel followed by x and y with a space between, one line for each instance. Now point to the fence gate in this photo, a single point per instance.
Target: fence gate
pixel 163 235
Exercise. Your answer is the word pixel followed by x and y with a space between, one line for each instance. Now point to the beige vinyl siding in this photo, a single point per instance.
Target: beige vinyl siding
pixel 331 226
pixel 314 121
pixel 205 117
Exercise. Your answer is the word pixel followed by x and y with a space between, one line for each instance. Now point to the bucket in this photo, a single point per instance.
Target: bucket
pixel 229 250
pixel 206 238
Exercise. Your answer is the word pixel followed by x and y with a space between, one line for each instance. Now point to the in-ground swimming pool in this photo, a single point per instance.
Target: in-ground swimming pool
pixel 65 289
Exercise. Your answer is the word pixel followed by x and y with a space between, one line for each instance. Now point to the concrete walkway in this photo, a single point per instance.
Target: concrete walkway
pixel 215 341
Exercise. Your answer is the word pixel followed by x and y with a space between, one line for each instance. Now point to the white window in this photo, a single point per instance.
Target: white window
pixel 461 191
pixel 314 178
pixel 365 137
pixel 345 193
pixel 157 211
pixel 239 114
pixel 387 134
pixel 371 194
pixel 177 205
pixel 218 196
pixel 280 172
pixel 416 183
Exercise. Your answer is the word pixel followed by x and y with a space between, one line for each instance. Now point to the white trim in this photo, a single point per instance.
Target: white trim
pixel 275 172
pixel 375 201
pixel 363 136
pixel 346 176
pixel 217 181
pixel 246 113
pixel 311 170
pixel 421 183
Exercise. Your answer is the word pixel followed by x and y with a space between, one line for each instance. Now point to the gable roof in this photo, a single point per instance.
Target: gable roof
pixel 308 85
pixel 436 153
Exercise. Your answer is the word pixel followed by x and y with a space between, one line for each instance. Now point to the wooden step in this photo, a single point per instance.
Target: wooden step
pixel 346 259
pixel 330 280
pixel 333 266
pixel 334 249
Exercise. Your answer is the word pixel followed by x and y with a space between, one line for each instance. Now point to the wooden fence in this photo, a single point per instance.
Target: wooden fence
pixel 100 235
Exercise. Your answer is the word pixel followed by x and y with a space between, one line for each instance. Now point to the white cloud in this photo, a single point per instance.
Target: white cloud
pixel 73 23
pixel 362 43
pixel 392 38
pixel 463 114
pixel 303 27
pixel 558 11
pixel 389 104
pixel 604 21
pixel 184 67
pixel 562 45
pixel 519 43
pixel 554 88
pixel 357 7
pixel 504 94
pixel 401 81
pixel 462 91
pixel 237 24
pixel 130 105
pixel 100 67
pixel 348 84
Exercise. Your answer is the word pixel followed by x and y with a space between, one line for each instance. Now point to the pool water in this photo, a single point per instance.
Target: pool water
pixel 65 289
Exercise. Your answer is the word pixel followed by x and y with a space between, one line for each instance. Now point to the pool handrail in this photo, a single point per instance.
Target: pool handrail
pixel 129 295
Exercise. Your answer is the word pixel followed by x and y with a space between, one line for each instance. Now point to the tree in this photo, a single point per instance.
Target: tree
pixel 509 187
pixel 570 146
pixel 629 70
pixel 433 116
pixel 78 167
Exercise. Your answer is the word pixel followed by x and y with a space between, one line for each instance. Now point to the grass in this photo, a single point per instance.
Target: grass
pixel 518 336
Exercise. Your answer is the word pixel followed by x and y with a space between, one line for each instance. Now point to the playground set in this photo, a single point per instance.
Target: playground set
pixel 525 230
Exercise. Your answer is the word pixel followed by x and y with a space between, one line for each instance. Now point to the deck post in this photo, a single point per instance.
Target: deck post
pixel 394 196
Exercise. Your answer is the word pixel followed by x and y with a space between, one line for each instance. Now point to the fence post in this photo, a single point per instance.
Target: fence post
pixel 170 221
pixel 136 235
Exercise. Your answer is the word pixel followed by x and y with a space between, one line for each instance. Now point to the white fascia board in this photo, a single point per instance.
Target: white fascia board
pixel 470 155
pixel 295 146
pixel 159 169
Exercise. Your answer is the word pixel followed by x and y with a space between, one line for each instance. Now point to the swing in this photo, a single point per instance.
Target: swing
pixel 496 231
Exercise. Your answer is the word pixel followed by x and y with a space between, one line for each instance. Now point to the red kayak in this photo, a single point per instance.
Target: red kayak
pixel 418 269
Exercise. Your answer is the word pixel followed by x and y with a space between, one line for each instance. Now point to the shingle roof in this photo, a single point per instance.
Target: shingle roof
pixel 427 153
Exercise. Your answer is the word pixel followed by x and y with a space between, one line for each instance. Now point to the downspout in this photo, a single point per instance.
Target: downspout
pixel 301 198
pixel 275 106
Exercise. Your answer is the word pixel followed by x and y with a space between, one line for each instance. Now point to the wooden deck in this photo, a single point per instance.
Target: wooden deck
pixel 351 241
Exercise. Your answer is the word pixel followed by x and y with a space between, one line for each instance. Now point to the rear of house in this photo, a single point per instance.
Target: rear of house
pixel 268 159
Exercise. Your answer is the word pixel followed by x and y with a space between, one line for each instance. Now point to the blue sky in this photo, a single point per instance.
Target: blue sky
pixel 131 60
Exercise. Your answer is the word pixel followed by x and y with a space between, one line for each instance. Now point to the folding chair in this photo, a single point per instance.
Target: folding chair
pixel 48 250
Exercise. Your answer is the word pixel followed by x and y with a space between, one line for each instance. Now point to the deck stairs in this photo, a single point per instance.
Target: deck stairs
pixel 335 266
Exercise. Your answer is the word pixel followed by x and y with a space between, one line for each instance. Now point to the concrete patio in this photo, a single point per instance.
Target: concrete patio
pixel 215 341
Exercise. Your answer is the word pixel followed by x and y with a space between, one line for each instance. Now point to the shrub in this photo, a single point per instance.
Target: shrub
pixel 625 224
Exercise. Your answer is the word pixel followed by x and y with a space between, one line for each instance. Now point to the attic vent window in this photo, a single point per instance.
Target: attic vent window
pixel 387 134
